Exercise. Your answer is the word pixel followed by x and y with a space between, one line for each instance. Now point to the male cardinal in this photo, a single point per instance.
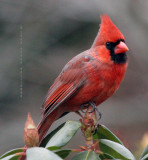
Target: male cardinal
pixel 90 77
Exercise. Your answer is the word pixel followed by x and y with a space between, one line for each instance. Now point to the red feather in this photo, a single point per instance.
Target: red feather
pixel 90 76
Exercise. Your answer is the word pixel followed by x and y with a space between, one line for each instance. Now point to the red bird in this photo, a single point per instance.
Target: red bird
pixel 90 77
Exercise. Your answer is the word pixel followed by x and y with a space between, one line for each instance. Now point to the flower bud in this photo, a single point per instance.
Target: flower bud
pixel 31 136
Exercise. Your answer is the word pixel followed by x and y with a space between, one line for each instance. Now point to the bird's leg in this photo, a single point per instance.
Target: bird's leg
pixel 99 114
pixel 84 107
pixel 94 108
pixel 93 105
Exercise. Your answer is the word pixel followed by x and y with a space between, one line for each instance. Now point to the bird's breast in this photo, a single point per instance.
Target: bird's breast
pixel 101 82
pixel 110 78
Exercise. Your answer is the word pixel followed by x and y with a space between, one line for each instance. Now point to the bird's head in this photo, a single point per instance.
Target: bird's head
pixel 112 40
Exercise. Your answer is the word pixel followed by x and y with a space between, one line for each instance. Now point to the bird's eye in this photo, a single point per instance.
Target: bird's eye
pixel 108 45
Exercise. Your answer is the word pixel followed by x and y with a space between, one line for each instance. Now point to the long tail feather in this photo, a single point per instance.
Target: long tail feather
pixel 45 124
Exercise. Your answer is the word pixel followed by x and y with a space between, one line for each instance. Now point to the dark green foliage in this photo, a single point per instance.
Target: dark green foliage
pixel 86 155
pixel 52 146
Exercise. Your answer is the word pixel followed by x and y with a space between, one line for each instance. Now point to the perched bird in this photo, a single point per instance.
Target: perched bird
pixel 91 76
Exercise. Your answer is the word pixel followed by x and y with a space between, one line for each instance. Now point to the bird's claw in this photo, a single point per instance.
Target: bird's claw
pixel 94 108
pixel 84 106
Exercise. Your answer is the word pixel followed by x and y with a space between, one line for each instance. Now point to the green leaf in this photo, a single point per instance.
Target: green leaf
pixel 11 157
pixel 49 136
pixel 144 152
pixel 12 152
pixel 39 153
pixel 15 158
pixel 104 133
pixel 116 150
pixel 105 156
pixel 63 153
pixel 52 148
pixel 86 155
pixel 145 157
pixel 8 157
pixel 63 136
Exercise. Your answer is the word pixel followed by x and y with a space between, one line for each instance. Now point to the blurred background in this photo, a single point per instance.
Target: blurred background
pixel 37 38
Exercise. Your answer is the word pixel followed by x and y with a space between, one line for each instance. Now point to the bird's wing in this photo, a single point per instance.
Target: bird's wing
pixel 68 83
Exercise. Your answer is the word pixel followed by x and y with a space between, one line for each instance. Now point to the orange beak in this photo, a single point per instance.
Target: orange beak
pixel 121 48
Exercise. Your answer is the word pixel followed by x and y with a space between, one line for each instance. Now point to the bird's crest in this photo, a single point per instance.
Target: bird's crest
pixel 108 32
